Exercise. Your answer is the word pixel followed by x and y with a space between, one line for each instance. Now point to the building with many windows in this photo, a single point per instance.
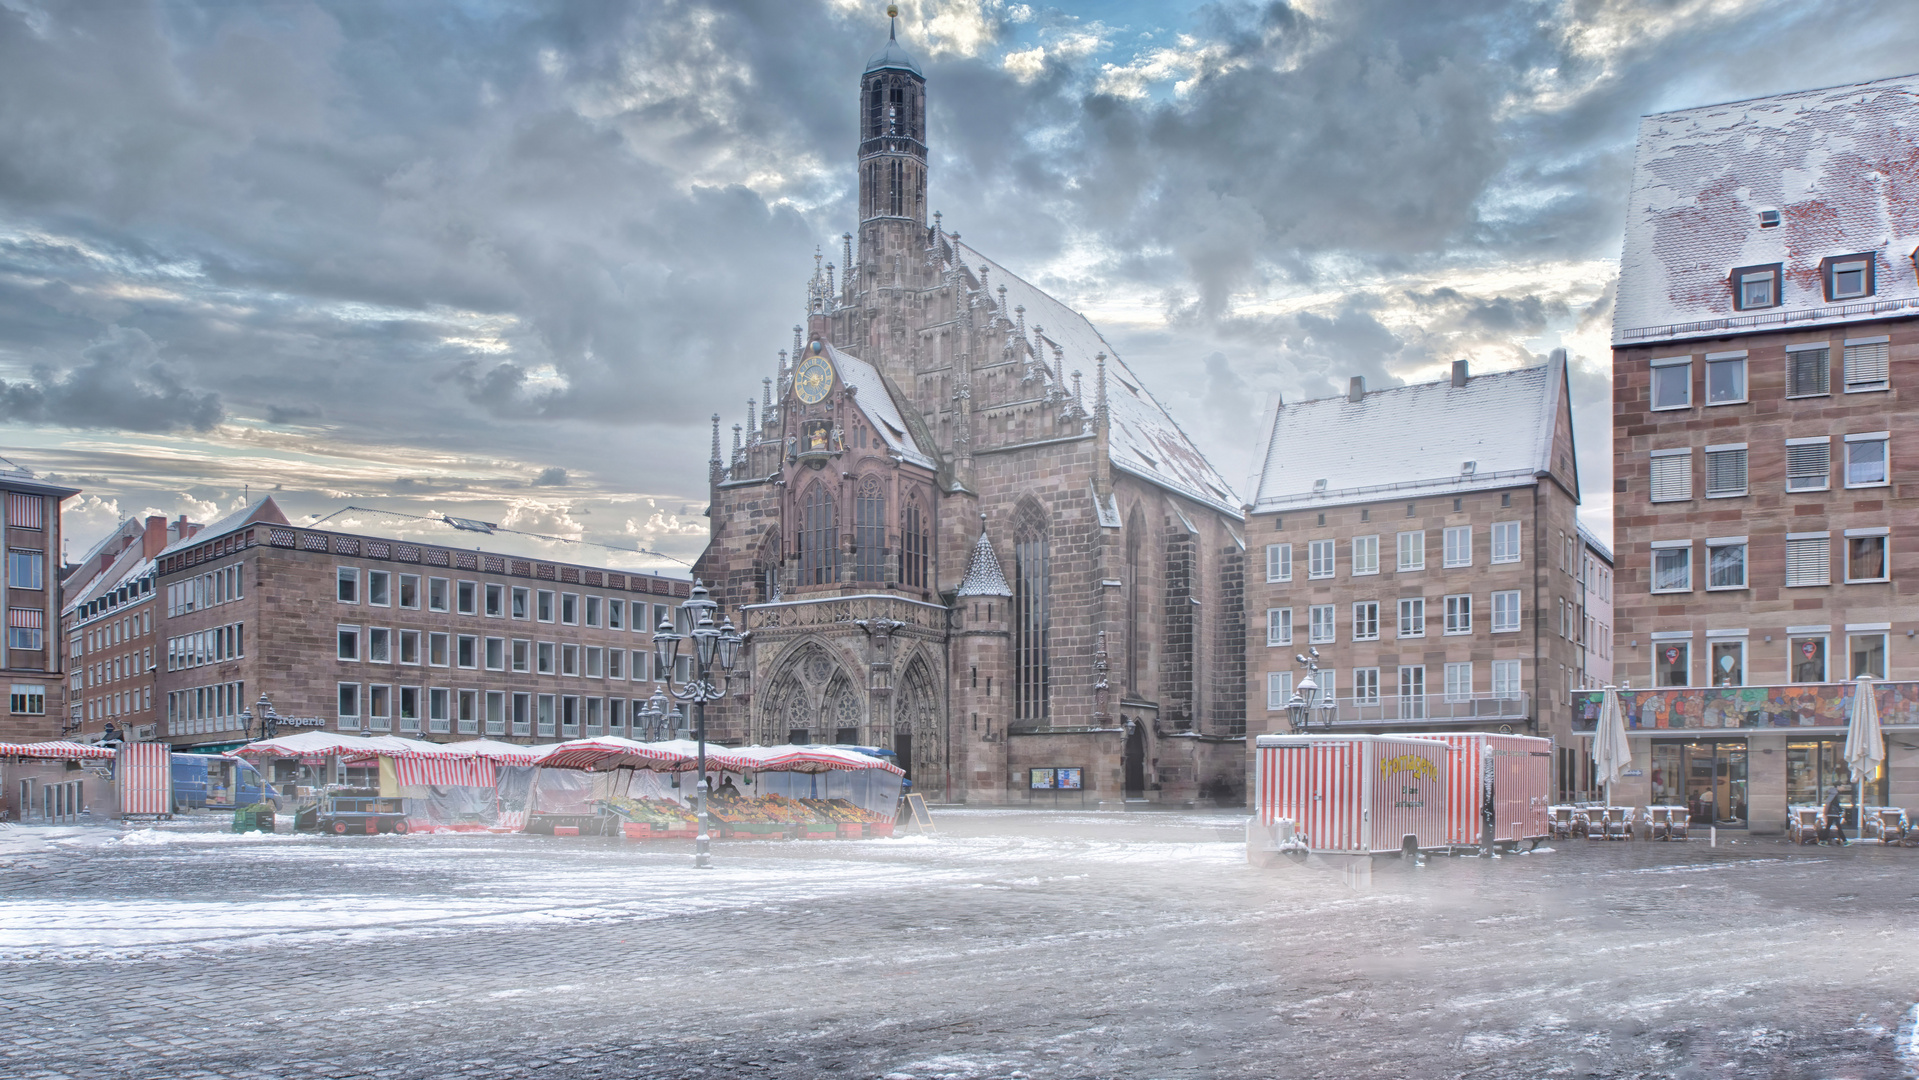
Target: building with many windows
pixel 109 623
pixel 30 659
pixel 1424 540
pixel 384 623
pixel 1765 351
pixel 1595 637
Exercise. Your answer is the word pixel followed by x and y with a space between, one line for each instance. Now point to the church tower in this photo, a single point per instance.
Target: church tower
pixel 892 158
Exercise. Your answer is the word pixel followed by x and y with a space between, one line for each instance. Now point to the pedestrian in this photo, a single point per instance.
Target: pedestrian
pixel 1834 819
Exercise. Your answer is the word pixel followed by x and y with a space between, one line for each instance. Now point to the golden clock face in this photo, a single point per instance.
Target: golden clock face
pixel 815 378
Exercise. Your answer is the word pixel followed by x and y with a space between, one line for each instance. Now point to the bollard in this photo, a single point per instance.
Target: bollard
pixel 1715 836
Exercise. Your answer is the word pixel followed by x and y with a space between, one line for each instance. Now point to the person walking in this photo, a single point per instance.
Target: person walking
pixel 1834 820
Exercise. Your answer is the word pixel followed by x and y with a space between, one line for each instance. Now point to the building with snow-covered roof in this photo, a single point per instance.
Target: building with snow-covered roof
pixel 1094 625
pixel 109 623
pixel 1765 356
pixel 1424 540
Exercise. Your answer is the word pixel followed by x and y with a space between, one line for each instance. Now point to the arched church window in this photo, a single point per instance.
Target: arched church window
pixel 915 544
pixel 819 553
pixel 869 531
pixel 1135 531
pixel 1031 581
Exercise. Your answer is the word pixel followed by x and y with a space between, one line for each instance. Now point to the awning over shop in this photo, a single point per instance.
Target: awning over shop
pixel 812 759
pixel 612 752
pixel 346 747
pixel 55 750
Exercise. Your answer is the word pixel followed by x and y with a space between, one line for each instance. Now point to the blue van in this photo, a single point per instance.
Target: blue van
pixel 206 781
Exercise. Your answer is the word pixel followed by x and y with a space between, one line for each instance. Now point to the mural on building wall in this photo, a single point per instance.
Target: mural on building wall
pixel 1801 706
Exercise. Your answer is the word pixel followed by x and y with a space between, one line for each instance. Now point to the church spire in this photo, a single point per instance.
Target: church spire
pixel 892 153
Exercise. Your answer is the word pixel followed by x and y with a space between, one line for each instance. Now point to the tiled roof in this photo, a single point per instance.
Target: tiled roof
pixel 1411 439
pixel 983 574
pixel 876 401
pixel 1841 168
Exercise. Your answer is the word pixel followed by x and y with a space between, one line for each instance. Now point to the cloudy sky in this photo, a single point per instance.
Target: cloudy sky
pixel 501 259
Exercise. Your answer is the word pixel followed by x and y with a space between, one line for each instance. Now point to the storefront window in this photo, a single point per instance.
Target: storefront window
pixel 1729 663
pixel 1708 778
pixel 1815 768
pixel 1675 663
pixel 1868 655
pixel 1808 659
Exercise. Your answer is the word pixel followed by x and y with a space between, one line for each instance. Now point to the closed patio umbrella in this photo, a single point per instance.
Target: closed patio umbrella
pixel 1611 752
pixel 1865 742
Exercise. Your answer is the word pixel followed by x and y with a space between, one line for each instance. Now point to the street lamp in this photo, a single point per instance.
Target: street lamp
pixel 1309 704
pixel 269 720
pixel 710 644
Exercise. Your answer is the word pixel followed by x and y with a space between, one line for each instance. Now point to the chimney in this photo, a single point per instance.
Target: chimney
pixel 1460 374
pixel 155 537
pixel 1356 389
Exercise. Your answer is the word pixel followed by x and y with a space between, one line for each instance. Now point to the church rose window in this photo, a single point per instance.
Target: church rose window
pixel 1030 585
pixel 869 531
pixel 819 554
pixel 913 541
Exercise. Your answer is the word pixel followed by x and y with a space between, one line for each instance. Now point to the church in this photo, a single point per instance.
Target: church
pixel 959 526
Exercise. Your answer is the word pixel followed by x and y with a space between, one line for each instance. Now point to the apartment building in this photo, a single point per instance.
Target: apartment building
pixel 1595 639
pixel 1423 539
pixel 107 620
pixel 1765 360
pixel 377 622
pixel 32 665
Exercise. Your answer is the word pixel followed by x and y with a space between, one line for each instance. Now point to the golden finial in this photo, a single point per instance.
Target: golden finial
pixel 892 11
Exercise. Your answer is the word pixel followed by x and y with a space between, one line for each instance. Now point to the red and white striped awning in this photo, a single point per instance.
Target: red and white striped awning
pixel 346 747
pixel 444 771
pixel 612 752
pixel 812 759
pixel 500 753
pixel 25 618
pixel 54 750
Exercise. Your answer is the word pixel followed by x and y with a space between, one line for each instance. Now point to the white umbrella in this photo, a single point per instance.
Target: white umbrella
pixel 1865 744
pixel 1611 752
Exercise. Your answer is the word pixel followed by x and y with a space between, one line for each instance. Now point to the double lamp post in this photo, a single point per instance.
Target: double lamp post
pixel 712 646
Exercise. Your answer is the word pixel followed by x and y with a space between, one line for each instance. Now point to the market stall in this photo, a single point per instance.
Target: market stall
pixel 377 783
pixel 813 792
pixel 612 785
pixel 51 783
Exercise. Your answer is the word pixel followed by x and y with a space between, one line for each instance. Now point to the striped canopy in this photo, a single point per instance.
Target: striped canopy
pixel 812 759
pixel 346 747
pixel 52 750
pixel 500 753
pixel 613 752
pixel 444 771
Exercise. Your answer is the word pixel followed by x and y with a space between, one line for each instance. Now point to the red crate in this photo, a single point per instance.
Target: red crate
pixel 644 830
pixel 566 830
pixel 876 829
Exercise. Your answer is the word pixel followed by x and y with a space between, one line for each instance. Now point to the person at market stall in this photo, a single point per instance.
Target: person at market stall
pixel 727 790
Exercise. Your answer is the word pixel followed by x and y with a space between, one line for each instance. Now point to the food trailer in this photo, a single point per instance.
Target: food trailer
pixel 1341 800
pixel 1515 794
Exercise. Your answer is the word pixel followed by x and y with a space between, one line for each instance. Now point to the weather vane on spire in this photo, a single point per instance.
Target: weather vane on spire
pixel 893 28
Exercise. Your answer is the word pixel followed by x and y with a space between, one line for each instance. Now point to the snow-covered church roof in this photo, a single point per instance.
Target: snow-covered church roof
pixel 1146 441
pixel 1410 439
pixel 871 394
pixel 1837 169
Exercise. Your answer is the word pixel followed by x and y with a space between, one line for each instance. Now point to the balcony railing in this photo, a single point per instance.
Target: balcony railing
pixel 1708 708
pixel 1417 709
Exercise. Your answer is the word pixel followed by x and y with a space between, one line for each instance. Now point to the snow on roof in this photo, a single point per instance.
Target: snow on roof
pixel 1592 540
pixel 261 509
pixel 488 537
pixel 984 576
pixel 1840 167
pixel 876 401
pixel 1412 438
pixel 1146 441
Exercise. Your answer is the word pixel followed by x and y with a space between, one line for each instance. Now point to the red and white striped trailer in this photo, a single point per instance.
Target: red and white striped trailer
pixel 1519 794
pixel 1349 795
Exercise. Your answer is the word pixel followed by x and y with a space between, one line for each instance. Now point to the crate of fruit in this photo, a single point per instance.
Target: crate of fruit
pixel 646 830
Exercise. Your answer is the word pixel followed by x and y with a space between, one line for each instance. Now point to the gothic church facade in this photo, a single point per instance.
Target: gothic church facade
pixel 958 525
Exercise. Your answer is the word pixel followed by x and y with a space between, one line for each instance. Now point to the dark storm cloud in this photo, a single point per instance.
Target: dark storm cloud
pixel 553 477
pixel 119 383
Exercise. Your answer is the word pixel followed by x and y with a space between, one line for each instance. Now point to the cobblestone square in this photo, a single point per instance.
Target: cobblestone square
pixel 1011 944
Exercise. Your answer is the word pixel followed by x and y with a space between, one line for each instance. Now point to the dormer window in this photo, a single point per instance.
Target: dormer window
pixel 1755 287
pixel 1769 219
pixel 1848 277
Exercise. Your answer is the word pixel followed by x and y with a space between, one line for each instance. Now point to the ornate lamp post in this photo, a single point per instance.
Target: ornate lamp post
pixel 263 711
pixel 712 645
pixel 1309 704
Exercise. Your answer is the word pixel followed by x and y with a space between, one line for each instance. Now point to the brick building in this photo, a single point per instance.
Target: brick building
pixel 108 622
pixel 369 621
pixel 1596 584
pixel 29 657
pixel 959 525
pixel 1424 540
pixel 1764 354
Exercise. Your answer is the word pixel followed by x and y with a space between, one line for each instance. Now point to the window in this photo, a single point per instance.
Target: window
pixel 869 530
pixel 438 646
pixel 28 699
pixel 1506 611
pixel 378 645
pixel 1365 555
pixel 570 660
pixel 1808 370
pixel 1412 692
pixel 409 646
pixel 410 709
pixel 1459 682
pixel 544 611
pixel 1459 545
pixel 1320 623
pixel 1320 559
pixel 522 654
pixel 438 709
pixel 570 609
pixel 616 663
pixel 26 570
pixel 594 657
pixel 1809 464
pixel 1279 626
pixel 543 658
pixel 616 614
pixel 1755 287
pixel 1279 689
pixel 495 601
pixel 1412 617
pixel 1726 563
pixel 521 598
pixel 436 594
pixel 594 606
pixel 1726 666
pixel 469 712
pixel 377 591
pixel 1725 470
pixel 24 511
pixel 522 714
pixel 346 587
pixel 1807 655
pixel 1866 555
pixel 496 654
pixel 818 539
pixel 1672 383
pixel 1672 663
pixel 1032 584
pixel 349 641
pixel 1459 615
pixel 496 712
pixel 349 704
pixel 639 665
pixel 1506 685
pixel 1412 551
pixel 570 715
pixel 1808 559
pixel 1865 365
pixel 1725 378
pixel 1279 562
pixel 1868 653
pixel 1672 566
pixel 1848 277
pixel 1866 459
pixel 410 591
pixel 1671 475
pixel 1366 621
pixel 1366 686
pixel 1505 541
pixel 466 651
pixel 546 714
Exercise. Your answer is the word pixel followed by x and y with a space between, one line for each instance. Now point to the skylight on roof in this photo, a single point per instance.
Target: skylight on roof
pixel 469 524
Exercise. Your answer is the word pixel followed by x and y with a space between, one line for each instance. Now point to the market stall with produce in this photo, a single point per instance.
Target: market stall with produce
pixel 382 783
pixel 813 792
pixel 611 785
